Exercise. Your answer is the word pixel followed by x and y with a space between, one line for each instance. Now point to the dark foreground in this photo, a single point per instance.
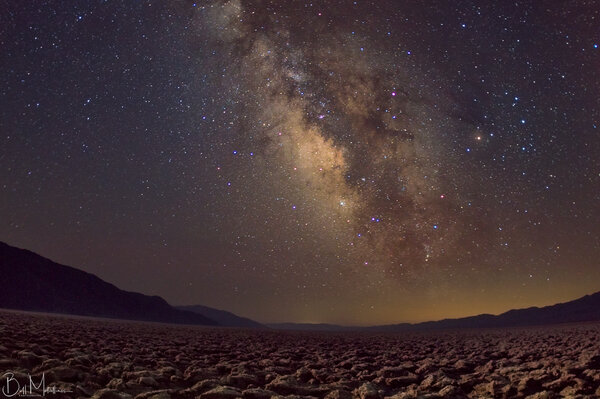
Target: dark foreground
pixel 115 359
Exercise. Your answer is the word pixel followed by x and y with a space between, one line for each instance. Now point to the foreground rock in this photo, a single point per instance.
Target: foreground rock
pixel 100 359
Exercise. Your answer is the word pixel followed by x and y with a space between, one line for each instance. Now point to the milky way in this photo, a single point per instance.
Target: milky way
pixel 348 161
pixel 357 143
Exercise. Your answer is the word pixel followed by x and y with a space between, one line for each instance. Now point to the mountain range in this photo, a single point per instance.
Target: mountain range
pixel 584 309
pixel 34 283
pixel 222 317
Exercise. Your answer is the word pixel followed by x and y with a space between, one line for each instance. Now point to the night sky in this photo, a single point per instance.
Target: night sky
pixel 354 162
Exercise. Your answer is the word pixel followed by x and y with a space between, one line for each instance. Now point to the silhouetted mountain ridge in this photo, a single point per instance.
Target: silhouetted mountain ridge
pixel 222 317
pixel 586 308
pixel 32 282
pixel 312 327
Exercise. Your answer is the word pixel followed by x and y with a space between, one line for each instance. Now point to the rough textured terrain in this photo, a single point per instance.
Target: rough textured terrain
pixel 107 359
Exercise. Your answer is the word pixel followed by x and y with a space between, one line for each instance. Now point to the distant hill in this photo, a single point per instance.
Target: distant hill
pixel 311 327
pixel 586 308
pixel 32 282
pixel 583 309
pixel 222 317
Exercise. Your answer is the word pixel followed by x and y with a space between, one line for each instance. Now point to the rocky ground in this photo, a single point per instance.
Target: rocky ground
pixel 106 359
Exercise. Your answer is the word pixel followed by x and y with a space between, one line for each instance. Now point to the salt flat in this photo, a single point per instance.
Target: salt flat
pixel 84 357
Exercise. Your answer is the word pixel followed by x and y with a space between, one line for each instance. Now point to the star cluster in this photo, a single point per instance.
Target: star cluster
pixel 343 161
